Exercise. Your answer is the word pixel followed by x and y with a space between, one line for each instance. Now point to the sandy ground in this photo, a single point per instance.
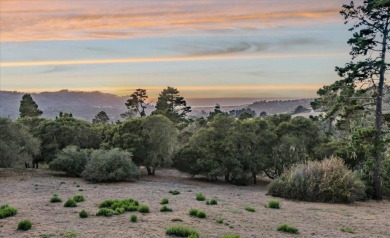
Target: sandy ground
pixel 30 193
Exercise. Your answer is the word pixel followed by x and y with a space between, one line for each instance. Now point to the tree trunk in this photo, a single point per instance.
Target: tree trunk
pixel 151 170
pixel 254 178
pixel 227 177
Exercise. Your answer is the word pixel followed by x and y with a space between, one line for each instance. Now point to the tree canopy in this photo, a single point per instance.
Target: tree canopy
pixel 28 107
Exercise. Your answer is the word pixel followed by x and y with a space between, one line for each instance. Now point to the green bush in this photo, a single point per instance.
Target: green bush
pixel 176 219
pixel 164 201
pixel 275 204
pixel 55 198
pixel 70 234
pixel 7 211
pixel 143 209
pixel 83 214
pixel 107 212
pixel 230 236
pixel 70 160
pixel 110 166
pixel 133 218
pixel 174 192
pixel 78 198
pixel 70 203
pixel 200 214
pixel 193 212
pixel 250 209
pixel 287 229
pixel 323 181
pixel 165 209
pixel 347 229
pixel 120 206
pixel 24 225
pixel 181 231
pixel 200 197
pixel 212 202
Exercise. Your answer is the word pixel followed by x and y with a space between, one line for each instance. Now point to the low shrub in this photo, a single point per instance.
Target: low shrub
pixel 133 218
pixel 70 203
pixel 181 231
pixel 287 229
pixel 83 214
pixel 176 220
pixel 322 181
pixel 200 197
pixel 24 225
pixel 7 211
pixel 275 204
pixel 193 212
pixel 200 214
pixel 55 198
pixel 143 209
pixel 212 202
pixel 107 212
pixel 110 166
pixel 165 209
pixel 230 236
pixel 174 192
pixel 70 234
pixel 347 229
pixel 219 220
pixel 250 209
pixel 78 198
pixel 164 201
pixel 128 205
pixel 70 160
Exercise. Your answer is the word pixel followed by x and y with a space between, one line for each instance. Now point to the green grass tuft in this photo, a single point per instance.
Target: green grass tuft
pixel 275 204
pixel 83 214
pixel 250 209
pixel 201 214
pixel 287 229
pixel 174 192
pixel 7 211
pixel 181 231
pixel 165 209
pixel 133 218
pixel 347 229
pixel 212 202
pixel 193 212
pixel 143 209
pixel 55 198
pixel 70 203
pixel 24 225
pixel 78 198
pixel 230 236
pixel 200 197
pixel 107 212
pixel 164 201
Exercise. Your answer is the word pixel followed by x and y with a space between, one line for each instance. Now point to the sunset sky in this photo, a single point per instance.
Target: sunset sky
pixel 205 48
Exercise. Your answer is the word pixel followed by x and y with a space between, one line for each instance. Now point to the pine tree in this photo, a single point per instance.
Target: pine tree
pixel 28 107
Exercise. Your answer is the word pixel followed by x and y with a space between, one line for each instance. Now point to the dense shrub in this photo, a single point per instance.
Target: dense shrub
pixel 110 166
pixel 24 225
pixel 83 214
pixel 143 209
pixel 200 214
pixel 115 207
pixel 164 201
pixel 133 218
pixel 347 229
pixel 200 197
pixel 287 228
pixel 250 209
pixel 78 198
pixel 230 236
pixel 70 203
pixel 165 209
pixel 275 204
pixel 107 212
pixel 174 192
pixel 325 181
pixel 212 202
pixel 7 211
pixel 71 160
pixel 193 212
pixel 181 231
pixel 55 198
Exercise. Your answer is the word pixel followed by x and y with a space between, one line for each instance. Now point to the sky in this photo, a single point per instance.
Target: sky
pixel 205 48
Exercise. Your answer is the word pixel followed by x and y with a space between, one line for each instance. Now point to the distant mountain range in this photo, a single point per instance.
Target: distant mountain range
pixel 86 105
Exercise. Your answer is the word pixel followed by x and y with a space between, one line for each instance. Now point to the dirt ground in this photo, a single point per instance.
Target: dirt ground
pixel 30 193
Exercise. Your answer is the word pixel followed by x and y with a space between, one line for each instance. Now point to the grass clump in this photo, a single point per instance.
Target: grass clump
pixel 70 203
pixel 287 229
pixel 107 212
pixel 328 180
pixel 275 204
pixel 7 211
pixel 212 202
pixel 165 209
pixel 78 198
pixel 120 206
pixel 230 236
pixel 164 201
pixel 83 214
pixel 174 192
pixel 55 198
pixel 143 209
pixel 176 220
pixel 133 218
pixel 250 209
pixel 193 212
pixel 181 231
pixel 24 225
pixel 347 229
pixel 201 214
pixel 219 220
pixel 70 234
pixel 200 197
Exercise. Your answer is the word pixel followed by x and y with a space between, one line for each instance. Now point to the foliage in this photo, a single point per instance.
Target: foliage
pixel 347 229
pixel 110 166
pixel 165 209
pixel 176 220
pixel 83 214
pixel 143 209
pixel 164 201
pixel 71 160
pixel 212 202
pixel 250 209
pixel 55 198
pixel 275 204
pixel 325 181
pixel 115 207
pixel 200 214
pixel 107 212
pixel 230 236
pixel 136 102
pixel 17 145
pixel 28 107
pixel 78 198
pixel 24 225
pixel 101 118
pixel 193 212
pixel 133 218
pixel 70 234
pixel 7 211
pixel 287 229
pixel 200 197
pixel 181 231
pixel 219 220
pixel 174 192
pixel 70 203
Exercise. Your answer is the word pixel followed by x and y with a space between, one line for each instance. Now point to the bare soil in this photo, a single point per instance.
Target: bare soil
pixel 30 193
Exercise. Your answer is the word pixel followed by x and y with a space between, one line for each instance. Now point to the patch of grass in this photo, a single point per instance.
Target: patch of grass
pixel 275 204
pixel 143 209
pixel 164 201
pixel 176 220
pixel 174 192
pixel 119 206
pixel 83 214
pixel 347 229
pixel 287 229
pixel 80 190
pixel 78 198
pixel 230 236
pixel 107 212
pixel 24 225
pixel 70 203
pixel 7 211
pixel 212 202
pixel 219 220
pixel 181 231
pixel 47 235
pixel 250 209
pixel 200 197
pixel 70 234
pixel 201 214
pixel 193 212
pixel 55 198
pixel 165 209
pixel 133 218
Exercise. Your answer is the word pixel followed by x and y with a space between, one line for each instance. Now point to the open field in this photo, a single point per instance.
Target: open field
pixel 30 193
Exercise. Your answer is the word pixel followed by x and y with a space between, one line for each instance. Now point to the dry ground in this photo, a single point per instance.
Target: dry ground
pixel 30 193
